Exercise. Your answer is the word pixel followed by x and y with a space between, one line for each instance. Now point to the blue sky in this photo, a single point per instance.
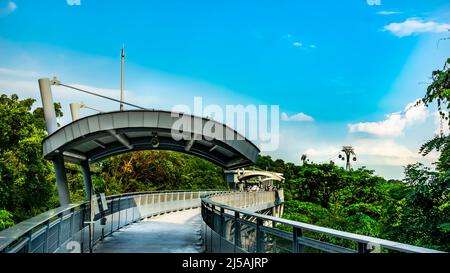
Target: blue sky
pixel 345 65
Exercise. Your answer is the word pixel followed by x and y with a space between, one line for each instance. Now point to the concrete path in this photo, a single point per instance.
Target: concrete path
pixel 178 232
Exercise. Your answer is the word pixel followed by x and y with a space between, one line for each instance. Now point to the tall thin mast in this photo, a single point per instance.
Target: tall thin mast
pixel 122 68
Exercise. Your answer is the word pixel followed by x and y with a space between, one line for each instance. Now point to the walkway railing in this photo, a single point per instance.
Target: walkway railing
pixel 254 201
pixel 66 229
pixel 235 229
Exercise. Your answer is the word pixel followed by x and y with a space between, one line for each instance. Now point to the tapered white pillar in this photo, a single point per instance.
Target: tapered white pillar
pixel 61 180
pixel 75 110
pixel 87 179
pixel 48 106
pixel 51 125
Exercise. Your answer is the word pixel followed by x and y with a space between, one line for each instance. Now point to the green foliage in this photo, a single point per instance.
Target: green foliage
pixel 26 185
pixel 439 90
pixel 158 170
pixel 425 212
pixel 6 219
pixel 414 211
pixel 305 212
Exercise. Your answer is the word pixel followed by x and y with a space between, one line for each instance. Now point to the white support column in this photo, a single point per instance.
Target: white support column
pixel 87 179
pixel 61 180
pixel 75 110
pixel 47 105
pixel 51 126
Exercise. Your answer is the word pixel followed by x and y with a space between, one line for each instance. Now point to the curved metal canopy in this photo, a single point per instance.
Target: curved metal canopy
pixel 102 135
pixel 247 174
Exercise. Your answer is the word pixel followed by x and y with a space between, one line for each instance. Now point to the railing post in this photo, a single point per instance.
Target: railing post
pixel 132 215
pixel 47 231
pixel 29 244
pixel 82 216
pixel 222 222
pixel 59 230
pixel 118 210
pixel 212 214
pixel 112 215
pixel 296 248
pixel 126 210
pixel 362 248
pixel 72 216
pixel 237 231
pixel 222 228
pixel 259 236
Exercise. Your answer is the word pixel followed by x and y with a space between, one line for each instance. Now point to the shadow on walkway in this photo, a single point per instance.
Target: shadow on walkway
pixel 178 232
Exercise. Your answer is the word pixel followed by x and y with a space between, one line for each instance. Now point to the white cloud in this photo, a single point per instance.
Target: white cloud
pixel 17 73
pixel 412 25
pixel 313 46
pixel 325 151
pixel 297 44
pixel 389 152
pixel 10 8
pixel 388 12
pixel 296 117
pixel 373 2
pixel 384 148
pixel 394 124
pixel 73 2
pixel 369 152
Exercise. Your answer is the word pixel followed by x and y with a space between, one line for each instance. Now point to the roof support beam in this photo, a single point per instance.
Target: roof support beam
pixel 190 143
pixel 74 155
pixel 212 148
pixel 121 138
pixel 99 144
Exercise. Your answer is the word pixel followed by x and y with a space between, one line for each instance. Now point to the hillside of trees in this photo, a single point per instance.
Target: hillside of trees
pixel 414 211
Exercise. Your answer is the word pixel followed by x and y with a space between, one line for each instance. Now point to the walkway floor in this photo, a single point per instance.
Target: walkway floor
pixel 178 232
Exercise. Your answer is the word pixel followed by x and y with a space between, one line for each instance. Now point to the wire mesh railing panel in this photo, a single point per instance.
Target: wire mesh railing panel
pixel 257 232
pixel 66 229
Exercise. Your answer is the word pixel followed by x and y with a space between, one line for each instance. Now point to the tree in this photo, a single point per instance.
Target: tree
pixel 439 91
pixel 5 219
pixel 159 170
pixel 26 179
pixel 425 215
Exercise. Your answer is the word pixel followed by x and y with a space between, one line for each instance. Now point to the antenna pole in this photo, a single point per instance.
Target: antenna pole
pixel 122 68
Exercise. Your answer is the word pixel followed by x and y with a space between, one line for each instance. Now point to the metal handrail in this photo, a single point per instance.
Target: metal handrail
pixel 362 240
pixel 17 231
pixel 20 236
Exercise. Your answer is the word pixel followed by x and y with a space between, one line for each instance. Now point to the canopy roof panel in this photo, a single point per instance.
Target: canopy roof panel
pixel 102 135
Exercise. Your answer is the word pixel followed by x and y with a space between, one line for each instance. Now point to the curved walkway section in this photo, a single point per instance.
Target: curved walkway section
pixel 176 232
pixel 71 229
pixel 234 229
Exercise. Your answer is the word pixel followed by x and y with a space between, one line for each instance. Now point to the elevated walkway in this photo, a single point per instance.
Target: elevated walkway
pixel 243 222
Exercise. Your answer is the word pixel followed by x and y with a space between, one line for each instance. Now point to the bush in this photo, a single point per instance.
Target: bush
pixel 6 219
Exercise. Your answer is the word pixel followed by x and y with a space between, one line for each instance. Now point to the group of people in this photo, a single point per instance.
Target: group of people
pixel 258 188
